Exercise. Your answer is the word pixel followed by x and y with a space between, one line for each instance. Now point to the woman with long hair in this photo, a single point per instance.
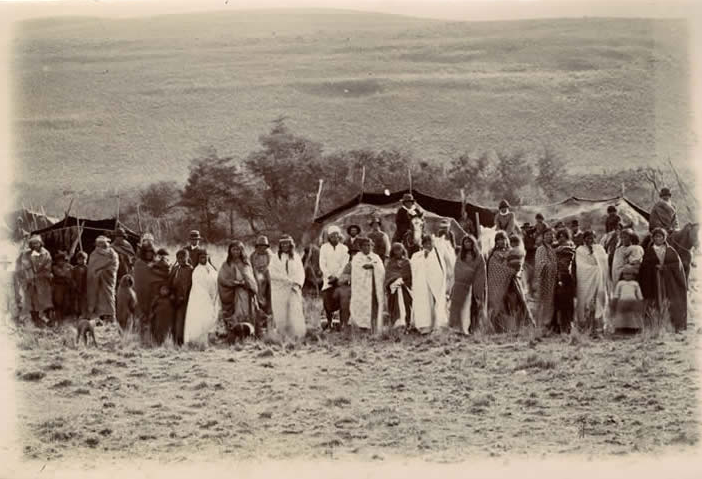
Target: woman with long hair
pixel 398 287
pixel 287 276
pixel 469 283
pixel 546 265
pixel 662 280
pixel 591 284
pixel 237 287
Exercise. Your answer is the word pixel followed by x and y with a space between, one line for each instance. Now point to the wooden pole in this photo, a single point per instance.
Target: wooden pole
pixel 363 180
pixel 139 219
pixel 477 224
pixel 464 214
pixel 623 192
pixel 317 199
pixel 409 175
pixel 118 205
pixel 682 187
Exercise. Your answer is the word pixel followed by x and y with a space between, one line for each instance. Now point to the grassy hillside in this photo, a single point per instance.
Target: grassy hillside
pixel 110 103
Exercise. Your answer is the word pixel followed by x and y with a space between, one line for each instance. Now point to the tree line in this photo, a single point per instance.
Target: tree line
pixel 273 189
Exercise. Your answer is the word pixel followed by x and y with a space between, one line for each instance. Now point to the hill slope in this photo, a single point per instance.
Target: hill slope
pixel 103 103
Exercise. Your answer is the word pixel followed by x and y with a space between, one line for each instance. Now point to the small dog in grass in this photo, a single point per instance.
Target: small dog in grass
pixel 239 332
pixel 86 330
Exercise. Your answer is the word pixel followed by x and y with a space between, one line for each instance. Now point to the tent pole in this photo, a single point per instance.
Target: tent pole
pixel 477 224
pixel 363 181
pixel 139 220
pixel 316 201
pixel 118 205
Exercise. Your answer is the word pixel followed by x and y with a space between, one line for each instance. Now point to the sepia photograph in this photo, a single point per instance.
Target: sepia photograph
pixel 413 236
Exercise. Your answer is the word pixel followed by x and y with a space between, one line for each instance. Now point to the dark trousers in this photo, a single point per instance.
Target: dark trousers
pixel 179 323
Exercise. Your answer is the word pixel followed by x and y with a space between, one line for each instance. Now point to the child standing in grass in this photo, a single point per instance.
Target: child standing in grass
pixel 79 275
pixel 626 302
pixel 162 313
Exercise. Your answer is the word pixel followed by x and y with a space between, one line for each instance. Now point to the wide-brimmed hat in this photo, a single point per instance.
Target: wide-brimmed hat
pixel 195 234
pixel 611 209
pixel 348 228
pixel 539 216
pixel 665 192
pixel 503 204
pixel 262 241
pixel 407 197
pixel 162 252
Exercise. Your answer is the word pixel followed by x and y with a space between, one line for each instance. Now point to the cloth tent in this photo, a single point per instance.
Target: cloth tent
pixel 590 213
pixel 360 209
pixel 73 234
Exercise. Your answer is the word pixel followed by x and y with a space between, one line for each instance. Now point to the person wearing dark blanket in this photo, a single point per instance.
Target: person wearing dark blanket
pixel 398 287
pixel 613 220
pixel 161 315
pixel 62 287
pixel 148 278
pixel 180 281
pixel 79 276
pixel 470 280
pixel 564 311
pixel 125 254
pixel 662 280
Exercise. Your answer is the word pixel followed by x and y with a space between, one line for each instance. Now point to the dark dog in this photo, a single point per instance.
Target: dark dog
pixel 85 330
pixel 239 332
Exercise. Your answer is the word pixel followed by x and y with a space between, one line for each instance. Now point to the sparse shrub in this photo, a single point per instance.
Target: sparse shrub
pixel 534 361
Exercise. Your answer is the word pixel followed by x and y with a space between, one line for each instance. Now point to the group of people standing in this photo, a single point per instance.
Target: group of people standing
pixel 420 281
pixel 140 289
pixel 428 280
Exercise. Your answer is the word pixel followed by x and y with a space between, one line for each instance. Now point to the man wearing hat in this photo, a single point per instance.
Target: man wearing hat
pixel 333 256
pixel 379 239
pixel 445 232
pixel 194 249
pixel 663 214
pixel 125 253
pixel 260 261
pixel 353 231
pixel 403 217
pixel 504 220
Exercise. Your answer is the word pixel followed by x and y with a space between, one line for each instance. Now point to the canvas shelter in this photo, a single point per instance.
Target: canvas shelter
pixel 362 208
pixel 590 213
pixel 74 234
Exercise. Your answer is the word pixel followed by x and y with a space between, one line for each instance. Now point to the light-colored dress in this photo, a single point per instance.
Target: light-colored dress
pixel 287 278
pixel 203 305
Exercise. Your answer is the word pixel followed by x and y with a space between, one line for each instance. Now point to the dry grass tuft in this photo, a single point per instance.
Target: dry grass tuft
pixel 535 361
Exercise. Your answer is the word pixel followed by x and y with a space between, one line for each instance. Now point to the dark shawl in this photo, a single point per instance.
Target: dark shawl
pixel 668 283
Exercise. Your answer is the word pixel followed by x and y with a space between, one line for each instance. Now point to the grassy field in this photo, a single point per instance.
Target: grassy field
pixel 114 103
pixel 346 397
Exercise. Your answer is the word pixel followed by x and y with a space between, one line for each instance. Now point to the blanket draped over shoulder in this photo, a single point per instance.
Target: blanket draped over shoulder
pixel 546 267
pixel 428 291
pixel 237 288
pixel 398 286
pixel 664 283
pixel 203 305
pixel 367 291
pixel 470 281
pixel 102 280
pixel 591 284
pixel 287 276
pixel 148 278
pixel 35 279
